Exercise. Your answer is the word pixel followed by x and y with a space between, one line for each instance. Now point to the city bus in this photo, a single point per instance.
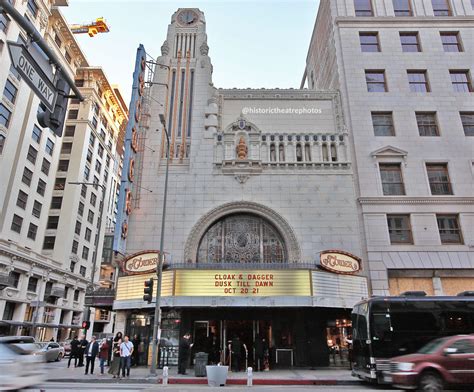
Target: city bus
pixel 386 327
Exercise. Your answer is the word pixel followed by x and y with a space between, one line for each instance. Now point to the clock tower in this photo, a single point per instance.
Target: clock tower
pixel 182 84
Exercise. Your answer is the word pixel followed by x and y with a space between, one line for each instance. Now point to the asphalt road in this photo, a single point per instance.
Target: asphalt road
pixel 103 387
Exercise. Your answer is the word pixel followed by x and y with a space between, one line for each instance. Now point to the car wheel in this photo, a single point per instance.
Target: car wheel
pixel 431 381
pixel 60 356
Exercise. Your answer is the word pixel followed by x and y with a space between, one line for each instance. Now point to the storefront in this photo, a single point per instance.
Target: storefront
pixel 301 311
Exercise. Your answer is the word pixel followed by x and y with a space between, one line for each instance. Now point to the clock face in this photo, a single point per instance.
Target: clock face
pixel 187 18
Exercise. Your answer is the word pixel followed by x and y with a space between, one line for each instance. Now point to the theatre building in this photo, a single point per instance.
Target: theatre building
pixel 262 236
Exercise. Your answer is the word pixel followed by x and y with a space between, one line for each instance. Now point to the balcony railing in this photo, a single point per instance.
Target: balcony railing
pixel 101 298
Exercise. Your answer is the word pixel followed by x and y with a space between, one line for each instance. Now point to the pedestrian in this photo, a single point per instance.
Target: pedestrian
pixel 184 351
pixel 236 347
pixel 82 349
pixel 126 351
pixel 259 348
pixel 114 368
pixel 104 350
pixel 135 355
pixel 92 350
pixel 74 351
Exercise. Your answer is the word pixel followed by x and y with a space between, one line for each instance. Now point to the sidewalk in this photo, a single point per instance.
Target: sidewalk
pixel 324 376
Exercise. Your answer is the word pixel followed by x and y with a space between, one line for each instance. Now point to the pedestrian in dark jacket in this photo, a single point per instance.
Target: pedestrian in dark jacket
pixel 92 349
pixel 261 346
pixel 184 351
pixel 104 350
pixel 135 355
pixel 82 349
pixel 74 351
pixel 114 368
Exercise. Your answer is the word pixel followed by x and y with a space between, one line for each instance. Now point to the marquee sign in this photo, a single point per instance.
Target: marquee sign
pixel 141 262
pixel 339 262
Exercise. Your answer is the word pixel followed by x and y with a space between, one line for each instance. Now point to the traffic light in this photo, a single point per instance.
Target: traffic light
pixel 55 120
pixel 148 291
pixel 86 325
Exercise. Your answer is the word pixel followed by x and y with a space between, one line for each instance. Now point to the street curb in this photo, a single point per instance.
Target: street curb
pixel 203 381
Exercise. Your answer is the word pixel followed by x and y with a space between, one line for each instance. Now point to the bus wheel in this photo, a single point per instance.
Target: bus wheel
pixel 431 381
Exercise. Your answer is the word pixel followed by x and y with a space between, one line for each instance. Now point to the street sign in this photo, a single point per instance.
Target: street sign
pixel 34 74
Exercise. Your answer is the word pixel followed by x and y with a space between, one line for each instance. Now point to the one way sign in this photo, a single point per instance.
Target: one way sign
pixel 33 74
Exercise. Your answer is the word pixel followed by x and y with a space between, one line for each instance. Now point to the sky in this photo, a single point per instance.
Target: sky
pixel 251 43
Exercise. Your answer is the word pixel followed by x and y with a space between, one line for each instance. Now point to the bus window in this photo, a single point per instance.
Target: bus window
pixel 382 328
pixel 360 332
pixel 455 322
pixel 409 321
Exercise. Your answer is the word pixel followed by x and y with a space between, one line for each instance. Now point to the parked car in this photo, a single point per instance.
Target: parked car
pixel 439 365
pixel 67 347
pixel 19 367
pixel 52 351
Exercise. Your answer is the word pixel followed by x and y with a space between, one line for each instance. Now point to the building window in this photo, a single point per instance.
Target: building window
pixel 59 184
pixel 375 81
pixel 85 253
pixel 63 165
pixel 73 114
pixel 79 82
pixel 32 7
pixel 32 230
pixel 36 211
pixel 69 131
pixel 418 81
pixel 92 140
pixel 37 134
pixel 96 182
pixel 242 238
pixel 90 217
pixel 27 176
pixel 467 120
pixel 98 166
pixel 4 22
pixel 402 8
pixel 14 279
pixel 66 148
pixel 438 178
pixel 56 202
pixel 369 42
pixel 5 115
pixel 75 247
pixel 100 150
pixel 45 165
pixel 88 234
pixel 77 229
pixel 10 91
pixel 80 209
pixel 53 222
pixel 410 42
pixel 32 284
pixel 32 154
pixel 89 155
pixel 49 242
pixel 83 191
pixel 87 172
pixel 93 199
pixel 441 7
pixel 449 231
pixel 2 143
pixel 49 147
pixel 76 294
pixel 461 81
pixel 451 42
pixel 58 41
pixel 41 188
pixel 9 310
pixel 22 199
pixel 427 123
pixel 363 8
pixel 392 180
pixel 383 124
pixel 94 122
pixel 17 222
pixel 68 57
pixel 399 229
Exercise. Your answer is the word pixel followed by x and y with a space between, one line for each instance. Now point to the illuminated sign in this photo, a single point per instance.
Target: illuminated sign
pixel 141 262
pixel 131 287
pixel 242 283
pixel 124 206
pixel 339 262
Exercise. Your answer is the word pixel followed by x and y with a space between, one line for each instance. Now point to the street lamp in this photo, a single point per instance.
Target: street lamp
pixel 96 241
pixel 161 259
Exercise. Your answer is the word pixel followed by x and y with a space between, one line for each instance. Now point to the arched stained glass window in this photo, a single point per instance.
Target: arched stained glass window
pixel 242 238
